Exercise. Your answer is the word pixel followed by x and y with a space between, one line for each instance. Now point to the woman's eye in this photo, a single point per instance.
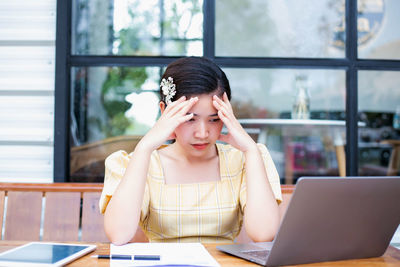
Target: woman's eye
pixel 215 120
pixel 191 120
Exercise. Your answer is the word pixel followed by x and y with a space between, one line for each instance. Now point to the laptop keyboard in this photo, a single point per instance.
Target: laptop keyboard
pixel 260 254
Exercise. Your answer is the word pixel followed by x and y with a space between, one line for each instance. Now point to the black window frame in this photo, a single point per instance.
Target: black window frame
pixel 351 64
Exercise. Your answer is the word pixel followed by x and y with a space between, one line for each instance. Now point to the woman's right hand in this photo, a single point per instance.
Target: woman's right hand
pixel 174 115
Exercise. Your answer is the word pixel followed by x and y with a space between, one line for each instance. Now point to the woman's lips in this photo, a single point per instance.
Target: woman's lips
pixel 200 146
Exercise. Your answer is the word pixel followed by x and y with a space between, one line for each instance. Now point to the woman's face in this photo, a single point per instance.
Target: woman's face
pixel 200 133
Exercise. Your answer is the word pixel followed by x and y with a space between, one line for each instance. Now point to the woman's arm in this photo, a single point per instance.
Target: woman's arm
pixel 261 215
pixel 261 218
pixel 122 215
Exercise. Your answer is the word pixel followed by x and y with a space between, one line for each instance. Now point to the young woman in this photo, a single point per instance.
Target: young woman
pixel 195 189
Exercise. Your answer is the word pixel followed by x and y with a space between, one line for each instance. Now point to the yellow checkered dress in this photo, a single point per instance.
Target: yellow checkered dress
pixel 200 212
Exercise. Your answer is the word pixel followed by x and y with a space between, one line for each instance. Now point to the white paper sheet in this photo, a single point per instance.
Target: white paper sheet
pixel 188 254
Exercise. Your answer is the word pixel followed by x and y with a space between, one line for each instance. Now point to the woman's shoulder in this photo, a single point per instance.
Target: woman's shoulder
pixel 227 148
pixel 117 162
pixel 122 155
pixel 118 159
pixel 155 170
pixel 230 156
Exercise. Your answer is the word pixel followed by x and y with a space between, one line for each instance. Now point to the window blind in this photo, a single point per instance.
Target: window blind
pixel 27 71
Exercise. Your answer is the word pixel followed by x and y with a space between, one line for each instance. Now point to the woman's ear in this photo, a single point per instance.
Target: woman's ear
pixel 162 106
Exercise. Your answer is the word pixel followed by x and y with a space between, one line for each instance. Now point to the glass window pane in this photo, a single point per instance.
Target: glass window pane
pixel 288 28
pixel 111 109
pixel 135 27
pixel 379 108
pixel 378 29
pixel 263 101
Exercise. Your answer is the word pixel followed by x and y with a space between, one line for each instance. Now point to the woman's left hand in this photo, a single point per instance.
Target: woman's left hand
pixel 236 136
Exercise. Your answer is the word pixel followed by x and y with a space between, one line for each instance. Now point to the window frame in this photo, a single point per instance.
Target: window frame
pixel 351 64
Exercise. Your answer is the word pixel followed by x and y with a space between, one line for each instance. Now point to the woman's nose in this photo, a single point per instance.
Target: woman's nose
pixel 201 130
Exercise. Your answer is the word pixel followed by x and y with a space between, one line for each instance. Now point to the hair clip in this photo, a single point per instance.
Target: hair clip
pixel 168 89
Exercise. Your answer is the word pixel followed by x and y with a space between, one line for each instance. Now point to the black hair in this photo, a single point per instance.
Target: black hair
pixel 196 76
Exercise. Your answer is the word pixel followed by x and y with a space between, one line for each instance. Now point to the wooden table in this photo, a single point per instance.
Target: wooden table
pixel 390 258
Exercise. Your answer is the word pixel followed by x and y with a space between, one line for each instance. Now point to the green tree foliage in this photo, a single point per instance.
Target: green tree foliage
pixel 119 83
pixel 137 39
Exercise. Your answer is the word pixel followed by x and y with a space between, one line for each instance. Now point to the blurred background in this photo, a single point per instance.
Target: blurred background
pixel 299 84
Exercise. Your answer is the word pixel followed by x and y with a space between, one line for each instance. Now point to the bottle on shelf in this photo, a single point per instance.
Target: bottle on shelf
pixel 301 104
pixel 396 119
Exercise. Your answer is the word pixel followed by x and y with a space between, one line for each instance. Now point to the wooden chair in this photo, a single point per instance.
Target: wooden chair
pixel 87 154
pixel 51 212
pixel 66 212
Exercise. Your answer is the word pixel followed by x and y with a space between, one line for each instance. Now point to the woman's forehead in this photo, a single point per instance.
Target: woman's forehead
pixel 204 107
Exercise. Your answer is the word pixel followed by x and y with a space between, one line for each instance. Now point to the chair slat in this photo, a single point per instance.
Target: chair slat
pixel 52 187
pixel 92 220
pixel 23 216
pixel 61 216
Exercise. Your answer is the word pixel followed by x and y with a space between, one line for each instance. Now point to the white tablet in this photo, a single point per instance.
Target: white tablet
pixel 44 254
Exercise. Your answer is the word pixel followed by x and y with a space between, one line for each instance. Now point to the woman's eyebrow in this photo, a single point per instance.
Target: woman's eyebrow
pixel 212 115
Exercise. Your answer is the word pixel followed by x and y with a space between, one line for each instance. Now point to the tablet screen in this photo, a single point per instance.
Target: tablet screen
pixel 43 253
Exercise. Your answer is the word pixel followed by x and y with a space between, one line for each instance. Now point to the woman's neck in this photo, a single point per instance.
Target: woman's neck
pixel 180 167
pixel 182 155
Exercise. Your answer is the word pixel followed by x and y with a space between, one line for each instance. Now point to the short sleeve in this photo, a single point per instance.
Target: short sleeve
pixel 272 174
pixel 115 166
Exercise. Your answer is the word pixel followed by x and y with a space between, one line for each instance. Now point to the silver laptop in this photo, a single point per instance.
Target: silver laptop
pixel 331 219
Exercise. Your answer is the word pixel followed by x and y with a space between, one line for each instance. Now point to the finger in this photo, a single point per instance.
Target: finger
pixel 218 103
pixel 176 102
pixel 223 103
pixel 185 106
pixel 183 109
pixel 225 96
pixel 225 120
pixel 226 101
pixel 217 99
pixel 224 110
pixel 190 103
pixel 183 119
pixel 179 100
